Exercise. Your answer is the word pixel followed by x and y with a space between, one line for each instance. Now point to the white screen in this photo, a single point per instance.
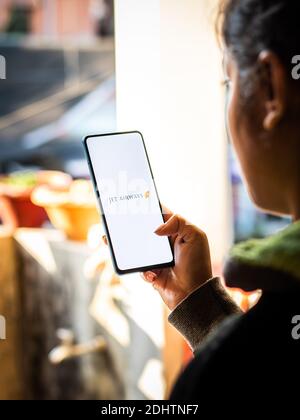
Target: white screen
pixel 129 200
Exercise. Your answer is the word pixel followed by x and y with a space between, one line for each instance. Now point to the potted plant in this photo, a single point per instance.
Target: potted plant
pixel 72 210
pixel 16 207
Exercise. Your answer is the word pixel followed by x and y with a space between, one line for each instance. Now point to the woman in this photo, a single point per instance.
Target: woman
pixel 252 355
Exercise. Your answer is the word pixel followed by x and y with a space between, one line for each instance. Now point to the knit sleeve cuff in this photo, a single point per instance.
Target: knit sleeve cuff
pixel 200 312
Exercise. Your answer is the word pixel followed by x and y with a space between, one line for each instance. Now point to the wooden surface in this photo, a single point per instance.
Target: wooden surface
pixel 11 373
pixel 47 291
pixel 173 354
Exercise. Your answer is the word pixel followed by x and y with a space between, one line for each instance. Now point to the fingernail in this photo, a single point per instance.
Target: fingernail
pixel 159 229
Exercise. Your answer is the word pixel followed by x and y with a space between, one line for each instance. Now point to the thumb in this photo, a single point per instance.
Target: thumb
pixel 175 225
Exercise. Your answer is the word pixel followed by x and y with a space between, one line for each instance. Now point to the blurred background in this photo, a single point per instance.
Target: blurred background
pixel 75 330
pixel 60 84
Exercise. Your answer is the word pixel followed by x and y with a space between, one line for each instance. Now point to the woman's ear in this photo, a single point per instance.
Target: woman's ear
pixel 275 89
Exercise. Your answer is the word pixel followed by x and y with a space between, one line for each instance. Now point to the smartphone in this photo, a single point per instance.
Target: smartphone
pixel 128 201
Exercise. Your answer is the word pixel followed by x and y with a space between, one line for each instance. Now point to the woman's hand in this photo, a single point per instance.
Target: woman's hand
pixel 192 261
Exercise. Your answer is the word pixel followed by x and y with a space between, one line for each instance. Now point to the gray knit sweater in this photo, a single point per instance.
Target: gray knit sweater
pixel 197 316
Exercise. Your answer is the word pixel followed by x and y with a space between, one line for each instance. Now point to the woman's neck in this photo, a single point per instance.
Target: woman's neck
pixel 294 201
pixel 295 210
pixel 296 217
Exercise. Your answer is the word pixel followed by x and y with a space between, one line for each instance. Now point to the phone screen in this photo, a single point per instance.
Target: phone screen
pixel 129 202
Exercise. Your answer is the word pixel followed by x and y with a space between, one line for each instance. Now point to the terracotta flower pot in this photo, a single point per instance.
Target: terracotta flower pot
pixel 17 209
pixel 25 213
pixel 73 211
pixel 74 221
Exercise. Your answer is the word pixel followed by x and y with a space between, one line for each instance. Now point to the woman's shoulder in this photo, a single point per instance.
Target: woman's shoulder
pixel 257 346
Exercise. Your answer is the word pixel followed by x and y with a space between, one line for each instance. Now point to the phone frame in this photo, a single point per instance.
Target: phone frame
pixel 93 178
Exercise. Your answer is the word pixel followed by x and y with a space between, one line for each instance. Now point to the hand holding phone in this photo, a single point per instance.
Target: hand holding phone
pixel 192 261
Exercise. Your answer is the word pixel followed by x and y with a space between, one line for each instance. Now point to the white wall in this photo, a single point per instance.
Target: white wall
pixel 168 69
pixel 168 74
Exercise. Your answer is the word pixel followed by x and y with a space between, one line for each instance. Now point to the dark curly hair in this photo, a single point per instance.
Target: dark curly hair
pixel 248 27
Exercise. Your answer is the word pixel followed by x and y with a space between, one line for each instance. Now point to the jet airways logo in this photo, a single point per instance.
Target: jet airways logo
pixel 129 197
